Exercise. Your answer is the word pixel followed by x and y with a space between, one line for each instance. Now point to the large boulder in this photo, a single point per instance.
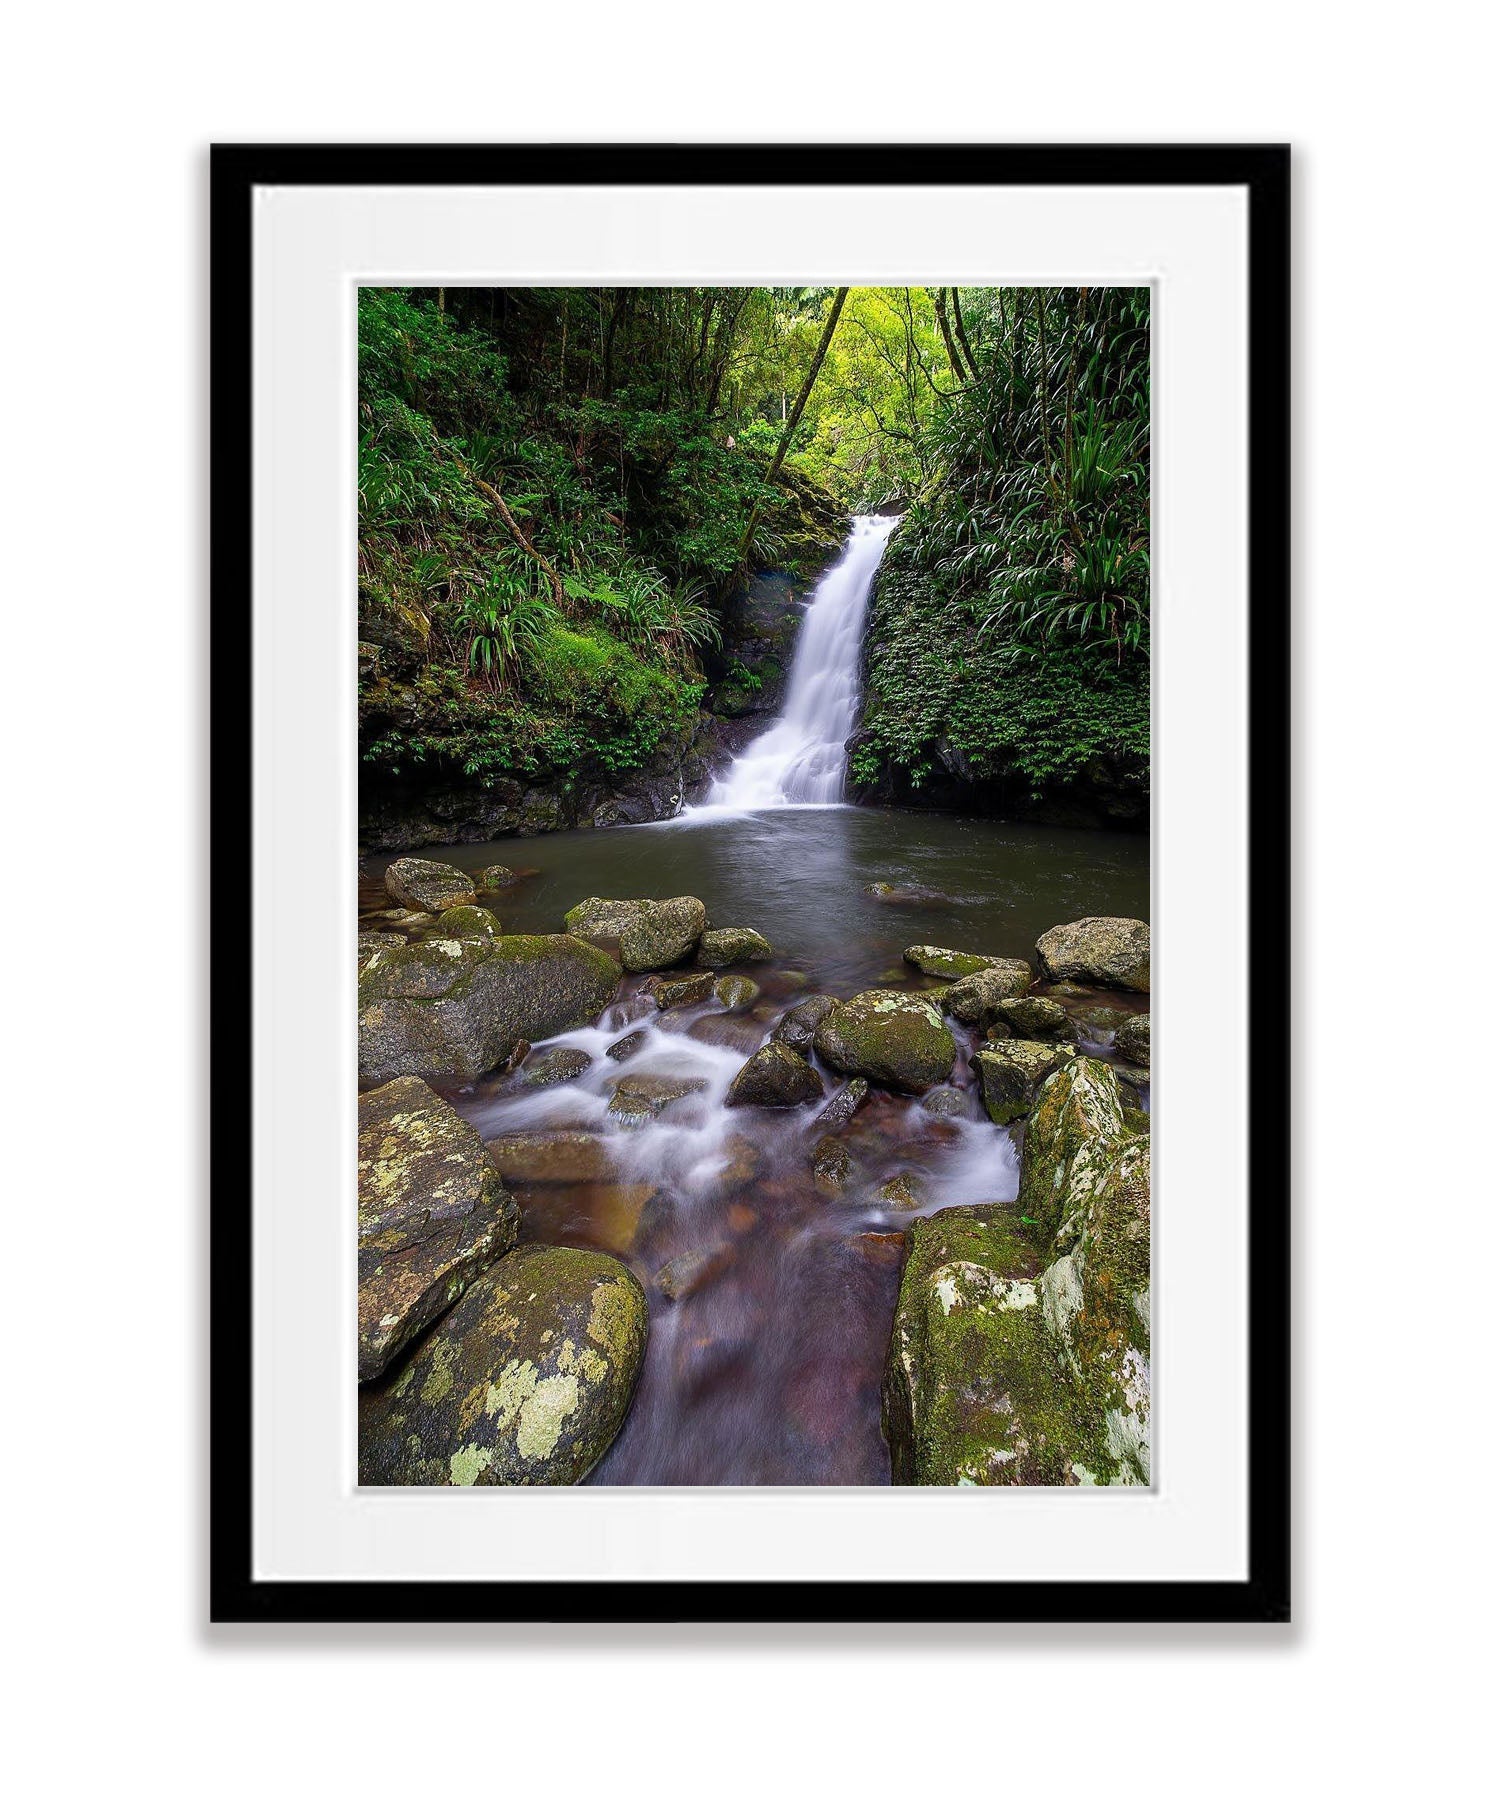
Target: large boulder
pixel 644 934
pixel 449 1009
pixel 425 886
pixel 1133 1039
pixel 433 1213
pixel 775 1076
pixel 1021 1346
pixel 950 965
pixel 977 999
pixel 897 1040
pixel 524 1383
pixel 1107 952
pixel 732 944
pixel 1011 1074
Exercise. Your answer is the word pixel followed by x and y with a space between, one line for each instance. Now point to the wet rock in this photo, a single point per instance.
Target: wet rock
pixel 1033 1018
pixel 685 1274
pixel 1108 952
pixel 1137 1081
pixel 451 1008
pixel 637 1099
pixel 686 990
pixel 614 1210
pixel 741 1218
pixel 645 934
pixel 372 943
pixel 561 1063
pixel 550 1157
pixel 882 1248
pixel 898 1040
pixel 799 1026
pixel 947 1103
pixel 1011 1074
pixel 1106 1019
pixel 832 1165
pixel 976 999
pixel 889 894
pixel 525 1382
pixel 775 1076
pixel 741 1162
pixel 495 877
pixel 737 992
pixel 424 886
pixel 433 1213
pixel 1133 1039
pixel 467 921
pixel 406 919
pixel 902 1191
pixel 844 1104
pixel 626 1046
pixel 732 944
pixel 950 965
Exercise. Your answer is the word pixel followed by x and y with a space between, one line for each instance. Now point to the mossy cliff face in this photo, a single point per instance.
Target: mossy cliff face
pixel 1020 1352
pixel 897 1040
pixel 433 1213
pixel 448 1009
pixel 642 934
pixel 524 1383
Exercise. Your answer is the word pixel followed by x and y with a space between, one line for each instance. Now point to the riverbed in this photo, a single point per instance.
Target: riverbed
pixel 766 1366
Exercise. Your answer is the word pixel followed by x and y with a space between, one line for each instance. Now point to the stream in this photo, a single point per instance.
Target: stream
pixel 766 1366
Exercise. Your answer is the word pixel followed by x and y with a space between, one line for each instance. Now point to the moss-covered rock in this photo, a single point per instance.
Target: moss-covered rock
pixel 375 943
pixel 977 999
pixel 643 934
pixel 685 990
pixel 799 1026
pixel 1109 952
pixel 732 944
pixel 524 1383
pixel 468 921
pixel 1011 1074
pixel 897 1040
pixel 844 1104
pixel 736 992
pixel 1070 1135
pixel 1133 1039
pixel 451 1008
pixel 903 1192
pixel 423 886
pixel 1033 1018
pixel 433 1213
pixel 497 876
pixel 951 965
pixel 546 1068
pixel 775 1076
pixel 832 1165
pixel 637 1099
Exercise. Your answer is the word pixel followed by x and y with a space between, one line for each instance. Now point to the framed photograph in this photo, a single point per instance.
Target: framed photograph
pixel 748 648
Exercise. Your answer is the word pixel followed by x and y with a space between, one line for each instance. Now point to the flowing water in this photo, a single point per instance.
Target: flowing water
pixel 766 1366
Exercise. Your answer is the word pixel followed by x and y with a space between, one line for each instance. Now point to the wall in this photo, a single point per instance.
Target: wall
pixel 1376 1691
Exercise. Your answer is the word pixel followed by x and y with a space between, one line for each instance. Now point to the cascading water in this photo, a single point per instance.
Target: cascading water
pixel 799 761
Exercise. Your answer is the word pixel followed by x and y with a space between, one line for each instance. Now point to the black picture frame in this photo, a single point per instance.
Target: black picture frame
pixel 1263 171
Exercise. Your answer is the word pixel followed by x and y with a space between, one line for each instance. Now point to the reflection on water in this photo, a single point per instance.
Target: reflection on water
pixel 766 1366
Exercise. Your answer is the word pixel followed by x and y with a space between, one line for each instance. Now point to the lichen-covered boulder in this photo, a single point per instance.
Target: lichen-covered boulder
pixel 376 943
pixel 424 886
pixel 467 921
pixel 1011 1074
pixel 897 1040
pixel 1031 1017
pixel 1070 1134
pixel 433 1213
pixel 1108 952
pixel 798 1027
pixel 775 1076
pixel 1133 1039
pixel 644 934
pixel 524 1383
pixel 449 1009
pixel 732 944
pixel 976 999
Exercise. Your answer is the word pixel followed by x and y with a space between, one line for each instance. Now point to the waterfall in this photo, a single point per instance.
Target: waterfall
pixel 799 761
